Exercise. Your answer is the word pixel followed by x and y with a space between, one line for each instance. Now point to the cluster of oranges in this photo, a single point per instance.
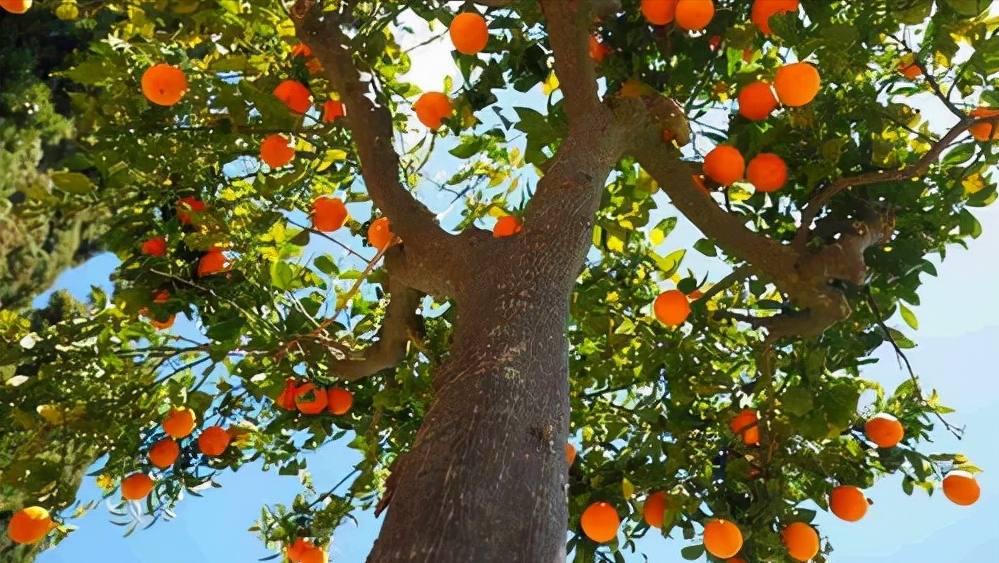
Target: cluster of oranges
pixel 309 399
pixel 695 15
pixel 723 538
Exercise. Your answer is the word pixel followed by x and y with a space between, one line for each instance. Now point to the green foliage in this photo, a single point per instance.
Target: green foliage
pixel 651 406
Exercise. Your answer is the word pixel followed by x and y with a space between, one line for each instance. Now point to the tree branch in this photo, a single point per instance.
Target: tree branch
pixel 568 27
pixel 371 130
pixel 822 196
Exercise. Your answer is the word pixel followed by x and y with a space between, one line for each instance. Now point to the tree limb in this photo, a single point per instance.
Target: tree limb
pixel 568 28
pixel 371 130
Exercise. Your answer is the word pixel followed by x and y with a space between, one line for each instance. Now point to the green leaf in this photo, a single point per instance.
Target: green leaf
pixel 326 265
pixel 282 275
pixel 706 247
pixel 72 182
pixel 692 552
pixel 908 316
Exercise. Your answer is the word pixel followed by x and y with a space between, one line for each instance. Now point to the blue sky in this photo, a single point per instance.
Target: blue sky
pixel 959 328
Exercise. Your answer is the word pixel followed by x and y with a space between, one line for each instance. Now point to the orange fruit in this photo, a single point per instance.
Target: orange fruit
pixel 724 164
pixel 277 150
pixel 295 95
pixel 431 108
pixel 722 538
pixel 304 551
pixel 756 101
pixel 155 246
pixel 163 325
pixel 984 131
pixel 469 33
pixel 694 15
pixel 379 235
pixel 310 400
pixel 179 423
pixel 654 509
pixel 163 84
pixel 328 214
pixel 763 9
pixel 961 488
pixel 600 522
pixel 286 400
pixel 213 441
pixel 735 559
pixel 570 454
pixel 332 109
pixel 910 71
pixel 884 430
pixel 767 172
pixel 848 503
pixel 136 486
pixel 597 49
pixel 671 307
pixel 507 225
pixel 301 50
pixel 801 541
pixel 188 207
pixel 30 524
pixel 797 84
pixel 339 400
pixel 164 453
pixel 745 425
pixel 213 262
pixel 659 12
pixel 161 296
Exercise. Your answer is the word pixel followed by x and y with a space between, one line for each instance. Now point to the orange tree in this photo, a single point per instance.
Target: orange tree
pixel 264 170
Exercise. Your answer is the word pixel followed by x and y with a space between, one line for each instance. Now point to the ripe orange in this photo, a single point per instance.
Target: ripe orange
pixel 179 423
pixel 339 400
pixel 767 172
pixel 694 15
pixel 961 488
pixel 984 131
pixel 379 235
pixel 301 50
pixel 213 262
pixel 277 150
pixel 724 164
pixel 848 503
pixel 164 453
pixel 304 551
pixel 295 95
pixel 763 9
pixel 745 424
pixel 469 33
pixel 332 109
pixel 296 548
pixel 310 400
pixel 801 541
pixel 756 101
pixel 910 71
pixel 797 84
pixel 161 296
pixel 163 84
pixel 654 509
pixel 722 538
pixel 30 524
pixel 659 12
pixel 884 430
pixel 671 307
pixel 155 246
pixel 164 324
pixel 286 400
pixel 136 486
pixel 431 108
pixel 507 225
pixel 570 454
pixel 600 522
pixel 328 214
pixel 597 49
pixel 735 559
pixel 213 441
pixel 188 207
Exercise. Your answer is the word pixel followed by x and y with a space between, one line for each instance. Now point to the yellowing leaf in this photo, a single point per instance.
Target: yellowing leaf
pixel 550 84
pixel 627 489
pixel 973 183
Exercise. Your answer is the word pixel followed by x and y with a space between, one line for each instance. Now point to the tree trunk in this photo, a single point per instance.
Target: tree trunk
pixel 486 478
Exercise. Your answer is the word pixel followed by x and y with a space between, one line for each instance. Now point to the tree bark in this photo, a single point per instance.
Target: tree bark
pixel 486 478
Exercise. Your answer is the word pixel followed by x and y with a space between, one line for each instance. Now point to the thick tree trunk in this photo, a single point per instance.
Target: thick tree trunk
pixel 486 479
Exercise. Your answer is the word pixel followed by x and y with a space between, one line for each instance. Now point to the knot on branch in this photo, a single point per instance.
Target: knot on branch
pixel 664 117
pixel 844 242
